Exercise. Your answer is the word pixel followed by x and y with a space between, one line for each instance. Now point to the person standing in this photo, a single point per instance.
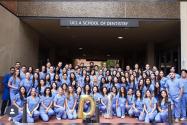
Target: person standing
pixel 6 95
pixel 175 90
pixel 183 80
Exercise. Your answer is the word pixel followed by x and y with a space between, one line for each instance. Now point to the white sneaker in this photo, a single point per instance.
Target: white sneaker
pixel 183 119
pixel 17 123
pixel 122 117
pixel 9 119
pixel 176 120
pixel 58 118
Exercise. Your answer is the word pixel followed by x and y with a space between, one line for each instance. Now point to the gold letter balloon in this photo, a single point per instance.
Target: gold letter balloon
pixel 83 99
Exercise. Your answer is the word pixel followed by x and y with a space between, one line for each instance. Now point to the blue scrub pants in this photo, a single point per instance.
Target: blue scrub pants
pixel 121 110
pixel 161 116
pixel 46 115
pixel 183 105
pixel 35 116
pixel 60 113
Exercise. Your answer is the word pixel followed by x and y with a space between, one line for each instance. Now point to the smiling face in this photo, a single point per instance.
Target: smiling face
pixel 33 92
pixel 163 94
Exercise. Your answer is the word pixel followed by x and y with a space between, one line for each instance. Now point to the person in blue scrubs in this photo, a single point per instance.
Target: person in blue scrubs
pixel 149 108
pixel 78 93
pixel 175 91
pixel 130 99
pixel 132 83
pixel 48 80
pixel 162 115
pixel 35 80
pixel 183 80
pixel 64 79
pixel 148 86
pixel 57 80
pixel 87 91
pixel 54 89
pixel 52 74
pixel 124 83
pixel 116 83
pixel 18 101
pixel 71 101
pixel 97 96
pixel 30 70
pixel 23 72
pixel 13 84
pixel 121 103
pixel 94 82
pixel 104 100
pixel 162 80
pixel 172 70
pixel 33 102
pixel 103 83
pixel 141 87
pixel 157 90
pixel 41 87
pixel 6 94
pixel 138 105
pixel 115 94
pixel 64 88
pixel 46 110
pixel 43 72
pixel 59 104
pixel 27 83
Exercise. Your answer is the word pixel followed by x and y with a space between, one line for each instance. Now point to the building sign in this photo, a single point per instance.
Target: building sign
pixel 98 22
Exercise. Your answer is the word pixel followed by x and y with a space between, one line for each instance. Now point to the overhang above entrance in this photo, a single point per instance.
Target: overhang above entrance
pixel 158 9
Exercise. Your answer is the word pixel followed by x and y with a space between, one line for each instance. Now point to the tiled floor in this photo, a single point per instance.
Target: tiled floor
pixel 53 120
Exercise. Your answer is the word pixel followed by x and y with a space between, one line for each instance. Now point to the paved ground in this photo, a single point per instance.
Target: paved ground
pixel 54 121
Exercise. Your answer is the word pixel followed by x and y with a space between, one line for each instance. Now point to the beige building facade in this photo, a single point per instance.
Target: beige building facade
pixel 26 27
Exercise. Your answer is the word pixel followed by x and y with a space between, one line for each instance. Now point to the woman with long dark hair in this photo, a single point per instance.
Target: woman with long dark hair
pixel 149 108
pixel 162 115
pixel 13 84
pixel 18 101
pixel 71 101
pixel 137 107
pixel 46 110
pixel 121 103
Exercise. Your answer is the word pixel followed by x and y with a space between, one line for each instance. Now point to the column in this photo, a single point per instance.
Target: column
pixel 183 16
pixel 151 54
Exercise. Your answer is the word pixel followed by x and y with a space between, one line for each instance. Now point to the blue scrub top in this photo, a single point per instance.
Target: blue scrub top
pixel 71 101
pixel 6 93
pixel 139 104
pixel 164 105
pixel 27 84
pixel 163 83
pixel 121 101
pixel 33 102
pixel 60 100
pixel 149 103
pixel 46 100
pixel 15 83
pixel 184 83
pixel 130 99
pixel 18 100
pixel 174 87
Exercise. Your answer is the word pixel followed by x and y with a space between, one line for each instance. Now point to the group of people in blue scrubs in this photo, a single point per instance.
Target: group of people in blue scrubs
pixel 141 93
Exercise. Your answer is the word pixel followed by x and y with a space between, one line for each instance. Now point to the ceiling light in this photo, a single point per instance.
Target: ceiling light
pixel 80 48
pixel 108 55
pixel 120 37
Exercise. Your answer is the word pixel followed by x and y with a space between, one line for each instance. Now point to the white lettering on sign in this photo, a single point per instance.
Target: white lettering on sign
pixel 99 22
pixel 93 23
pixel 117 23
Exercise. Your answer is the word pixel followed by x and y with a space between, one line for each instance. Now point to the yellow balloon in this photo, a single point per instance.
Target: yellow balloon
pixel 83 99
